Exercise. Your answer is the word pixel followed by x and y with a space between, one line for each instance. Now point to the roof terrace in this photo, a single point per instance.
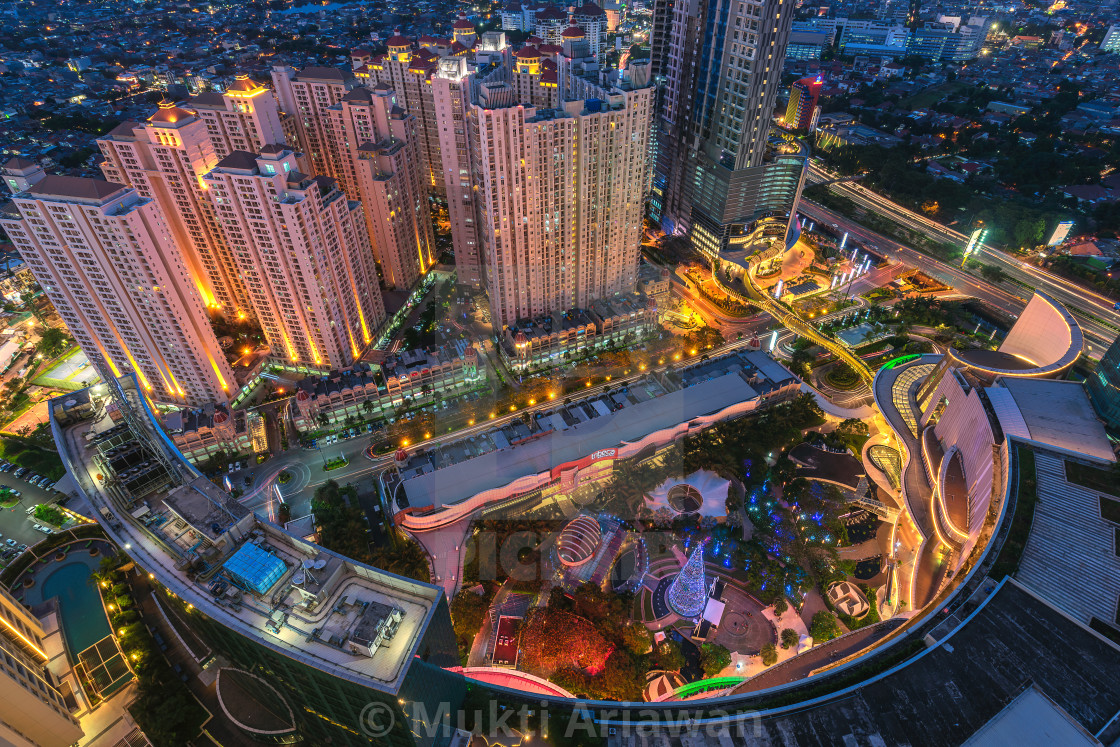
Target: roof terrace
pixel 302 600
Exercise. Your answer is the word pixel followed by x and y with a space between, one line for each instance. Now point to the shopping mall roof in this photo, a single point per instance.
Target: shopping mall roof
pixel 1053 413
pixel 498 468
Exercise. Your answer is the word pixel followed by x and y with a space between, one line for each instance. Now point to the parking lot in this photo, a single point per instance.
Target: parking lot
pixel 14 522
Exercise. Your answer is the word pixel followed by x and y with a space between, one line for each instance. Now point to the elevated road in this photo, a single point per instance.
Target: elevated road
pixel 1096 313
pixel 1099 336
pixel 795 323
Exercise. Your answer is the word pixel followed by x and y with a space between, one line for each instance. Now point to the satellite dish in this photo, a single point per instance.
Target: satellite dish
pixel 320 564
pixel 298 577
pixel 308 563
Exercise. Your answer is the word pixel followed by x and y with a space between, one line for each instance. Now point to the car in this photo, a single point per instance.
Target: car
pixel 21 547
pixel 10 542
pixel 44 530
pixel 6 467
pixel 16 493
pixel 32 477
pixel 5 463
pixel 20 472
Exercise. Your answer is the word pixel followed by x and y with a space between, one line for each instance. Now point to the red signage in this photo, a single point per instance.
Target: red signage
pixel 587 461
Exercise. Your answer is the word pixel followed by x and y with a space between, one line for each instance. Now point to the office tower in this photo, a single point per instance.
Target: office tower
pixel 561 193
pixel 721 177
pixel 164 160
pixel 307 95
pixel 451 97
pixel 109 263
pixel 1104 386
pixel 591 18
pixel 803 96
pixel 34 711
pixel 1111 40
pixel 388 182
pixel 246 117
pixel 409 73
pixel 304 252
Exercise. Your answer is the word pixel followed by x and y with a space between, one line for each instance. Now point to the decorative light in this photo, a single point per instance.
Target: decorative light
pixel 689 591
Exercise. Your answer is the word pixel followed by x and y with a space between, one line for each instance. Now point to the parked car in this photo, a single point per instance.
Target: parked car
pixel 20 472
pixel 10 542
pixel 43 529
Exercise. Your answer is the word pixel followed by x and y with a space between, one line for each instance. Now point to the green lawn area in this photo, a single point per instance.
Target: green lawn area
pixel 36 459
pixel 1106 481
pixel 337 463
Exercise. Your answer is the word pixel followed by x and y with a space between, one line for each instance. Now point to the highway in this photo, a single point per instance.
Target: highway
pixel 1079 300
pixel 1097 335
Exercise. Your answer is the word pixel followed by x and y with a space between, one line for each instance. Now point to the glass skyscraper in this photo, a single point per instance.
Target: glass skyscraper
pixel 1104 386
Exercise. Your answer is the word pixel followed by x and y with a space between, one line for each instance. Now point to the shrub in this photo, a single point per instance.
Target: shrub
pixel 714 658
pixel 789 638
pixel 824 627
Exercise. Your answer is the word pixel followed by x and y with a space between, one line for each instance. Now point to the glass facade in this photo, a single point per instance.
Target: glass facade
pixel 1104 386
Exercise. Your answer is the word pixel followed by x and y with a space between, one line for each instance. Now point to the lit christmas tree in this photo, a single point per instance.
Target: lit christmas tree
pixel 689 591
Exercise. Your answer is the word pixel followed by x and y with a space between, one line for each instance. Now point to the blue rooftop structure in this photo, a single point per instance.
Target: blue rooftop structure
pixel 255 568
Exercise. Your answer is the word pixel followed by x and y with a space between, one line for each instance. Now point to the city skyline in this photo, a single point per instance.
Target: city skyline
pixel 676 371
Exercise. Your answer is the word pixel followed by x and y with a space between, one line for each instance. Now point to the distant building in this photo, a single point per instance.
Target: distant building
pixel 246 116
pixel 381 165
pixel 1111 41
pixel 874 37
pixel 803 97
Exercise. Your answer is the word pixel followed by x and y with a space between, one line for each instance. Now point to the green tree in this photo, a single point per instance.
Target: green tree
pixel 780 606
pixel 824 627
pixel 668 656
pixel 714 658
pixel 635 637
pixel 52 342
pixel 769 654
pixel 789 638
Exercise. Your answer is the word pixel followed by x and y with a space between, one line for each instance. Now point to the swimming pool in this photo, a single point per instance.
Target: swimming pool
pixel 83 618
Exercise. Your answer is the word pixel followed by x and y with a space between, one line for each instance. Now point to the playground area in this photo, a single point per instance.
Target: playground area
pixel 72 371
